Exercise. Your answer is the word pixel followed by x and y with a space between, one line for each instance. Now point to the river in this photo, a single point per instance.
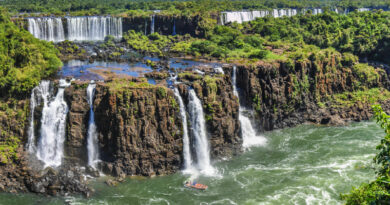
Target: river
pixel 307 164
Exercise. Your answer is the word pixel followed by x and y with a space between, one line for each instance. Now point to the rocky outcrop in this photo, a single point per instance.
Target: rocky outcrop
pixel 285 94
pixel 139 130
pixel 221 112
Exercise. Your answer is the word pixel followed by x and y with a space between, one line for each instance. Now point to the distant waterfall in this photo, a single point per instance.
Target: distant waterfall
pixel 244 16
pixel 174 28
pixel 186 139
pixel 92 141
pixel 48 29
pixel 50 148
pixel 93 28
pixel 152 24
pixel 39 93
pixel 363 9
pixel 248 133
pixel 146 26
pixel 79 28
pixel 198 127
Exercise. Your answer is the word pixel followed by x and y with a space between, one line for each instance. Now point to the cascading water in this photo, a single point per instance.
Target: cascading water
pixel 152 24
pixel 244 16
pixel 186 139
pixel 49 29
pixel 174 28
pixel 92 141
pixel 42 91
pixel 198 127
pixel 51 142
pixel 93 28
pixel 80 28
pixel 248 133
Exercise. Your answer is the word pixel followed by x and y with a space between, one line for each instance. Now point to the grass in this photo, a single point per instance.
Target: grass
pixel 8 150
pixel 372 96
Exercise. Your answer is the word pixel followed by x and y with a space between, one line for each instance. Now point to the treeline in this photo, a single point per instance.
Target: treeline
pixel 118 6
pixel 365 34
pixel 24 60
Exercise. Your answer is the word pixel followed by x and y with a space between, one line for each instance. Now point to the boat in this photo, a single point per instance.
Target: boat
pixel 195 185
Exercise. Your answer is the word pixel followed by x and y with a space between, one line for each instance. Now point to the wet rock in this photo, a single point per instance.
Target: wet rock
pixel 92 171
pixel 111 182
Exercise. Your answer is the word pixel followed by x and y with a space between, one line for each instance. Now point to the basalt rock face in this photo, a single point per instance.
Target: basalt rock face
pixel 139 131
pixel 165 25
pixel 285 94
pixel 77 123
pixel 221 112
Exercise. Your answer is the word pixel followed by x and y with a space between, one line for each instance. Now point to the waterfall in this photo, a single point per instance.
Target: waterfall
pixel 42 91
pixel 49 29
pixel 92 141
pixel 249 136
pixel 244 16
pixel 174 28
pixel 80 28
pixel 146 26
pixel 198 127
pixel 363 9
pixel 51 142
pixel 152 24
pixel 186 139
pixel 93 28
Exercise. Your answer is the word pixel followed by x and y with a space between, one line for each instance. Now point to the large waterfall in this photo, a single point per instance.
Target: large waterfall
pixel 93 28
pixel 244 16
pixel 198 127
pixel 248 133
pixel 186 139
pixel 49 29
pixel 92 141
pixel 80 28
pixel 51 142
pixel 39 93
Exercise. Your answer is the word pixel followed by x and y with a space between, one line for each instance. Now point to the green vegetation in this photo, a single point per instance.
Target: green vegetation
pixel 8 150
pixel 179 7
pixel 372 96
pixel 153 43
pixel 123 84
pixel 24 60
pixel 378 191
pixel 364 34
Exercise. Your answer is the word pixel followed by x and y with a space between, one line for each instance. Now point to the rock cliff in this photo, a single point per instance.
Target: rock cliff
pixel 322 90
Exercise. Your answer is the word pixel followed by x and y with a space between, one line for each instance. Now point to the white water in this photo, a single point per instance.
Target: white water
pixel 249 136
pixel 198 127
pixel 363 9
pixel 186 140
pixel 152 24
pixel 50 148
pixel 93 28
pixel 92 141
pixel 244 16
pixel 42 91
pixel 48 29
pixel 80 28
